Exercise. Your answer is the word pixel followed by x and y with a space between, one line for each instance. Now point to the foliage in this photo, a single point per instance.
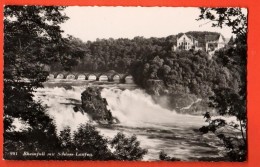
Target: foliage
pixel 32 39
pixel 127 148
pixel 164 157
pixel 70 53
pixel 232 135
pixel 230 101
pixel 119 54
pixel 231 17
pixel 88 140
pixel 184 72
pixel 86 143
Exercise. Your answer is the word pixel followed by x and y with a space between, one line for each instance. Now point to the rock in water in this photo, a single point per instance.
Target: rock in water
pixel 96 106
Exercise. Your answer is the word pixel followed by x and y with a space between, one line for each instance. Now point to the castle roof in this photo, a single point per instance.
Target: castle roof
pixel 189 36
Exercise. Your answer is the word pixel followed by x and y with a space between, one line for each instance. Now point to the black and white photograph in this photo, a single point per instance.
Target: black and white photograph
pixel 96 83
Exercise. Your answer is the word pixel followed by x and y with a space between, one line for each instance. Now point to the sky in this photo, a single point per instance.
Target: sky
pixel 90 23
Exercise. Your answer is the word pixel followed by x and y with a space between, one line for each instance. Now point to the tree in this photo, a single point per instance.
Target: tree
pixel 231 41
pixel 226 100
pixel 87 139
pixel 164 157
pixel 70 52
pixel 66 140
pixel 231 17
pixel 127 148
pixel 28 38
pixel 31 38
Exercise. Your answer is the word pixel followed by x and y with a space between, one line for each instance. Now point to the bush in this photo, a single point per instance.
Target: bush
pixel 127 148
pixel 164 157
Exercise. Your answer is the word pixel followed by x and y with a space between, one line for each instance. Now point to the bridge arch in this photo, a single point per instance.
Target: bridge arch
pixel 65 74
pixel 103 77
pixel 81 76
pixel 110 76
pixel 116 77
pixel 70 76
pixel 91 77
pixel 127 78
pixel 60 76
pixel 51 76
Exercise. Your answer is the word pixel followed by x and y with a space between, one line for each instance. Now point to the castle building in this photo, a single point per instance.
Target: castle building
pixel 209 43
pixel 214 42
pixel 187 42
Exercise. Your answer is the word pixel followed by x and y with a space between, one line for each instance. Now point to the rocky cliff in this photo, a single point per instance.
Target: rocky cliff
pixel 96 106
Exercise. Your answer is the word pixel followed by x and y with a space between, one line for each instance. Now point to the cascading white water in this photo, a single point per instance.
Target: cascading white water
pixel 58 102
pixel 137 108
pixel 132 107
pixel 156 128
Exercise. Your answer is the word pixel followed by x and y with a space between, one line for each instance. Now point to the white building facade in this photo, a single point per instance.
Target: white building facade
pixel 215 43
pixel 187 42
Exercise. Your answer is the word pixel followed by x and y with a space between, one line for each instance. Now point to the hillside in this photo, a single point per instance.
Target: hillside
pixel 119 54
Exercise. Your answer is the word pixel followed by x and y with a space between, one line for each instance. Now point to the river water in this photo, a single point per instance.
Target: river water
pixel 156 128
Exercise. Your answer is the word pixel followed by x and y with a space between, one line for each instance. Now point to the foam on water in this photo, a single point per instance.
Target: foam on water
pixel 132 107
pixel 137 108
pixel 156 128
pixel 58 101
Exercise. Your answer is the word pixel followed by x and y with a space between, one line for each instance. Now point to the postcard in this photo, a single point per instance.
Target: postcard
pixel 125 83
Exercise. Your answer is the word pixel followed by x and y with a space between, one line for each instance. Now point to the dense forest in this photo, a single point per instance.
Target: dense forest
pixel 119 54
pixel 192 72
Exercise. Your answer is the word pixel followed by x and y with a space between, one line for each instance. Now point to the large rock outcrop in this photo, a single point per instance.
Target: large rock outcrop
pixel 96 106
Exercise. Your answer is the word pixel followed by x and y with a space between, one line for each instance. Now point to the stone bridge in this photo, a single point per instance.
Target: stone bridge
pixel 110 76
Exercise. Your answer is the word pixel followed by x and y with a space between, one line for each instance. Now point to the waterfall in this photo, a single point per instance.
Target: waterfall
pixel 156 127
pixel 137 108
pixel 131 107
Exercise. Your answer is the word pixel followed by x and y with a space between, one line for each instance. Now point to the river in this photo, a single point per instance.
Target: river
pixel 156 128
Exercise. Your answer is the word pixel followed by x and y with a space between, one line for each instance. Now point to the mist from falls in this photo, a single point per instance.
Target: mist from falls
pixel 60 103
pixel 137 108
pixel 156 128
pixel 132 107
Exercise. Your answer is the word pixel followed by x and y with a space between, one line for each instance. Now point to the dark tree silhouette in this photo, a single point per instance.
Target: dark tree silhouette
pixel 32 39
pixel 226 100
